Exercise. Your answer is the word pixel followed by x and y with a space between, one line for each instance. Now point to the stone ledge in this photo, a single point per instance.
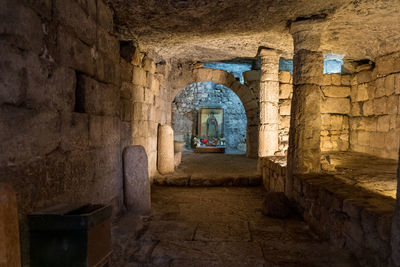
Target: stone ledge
pixel 347 215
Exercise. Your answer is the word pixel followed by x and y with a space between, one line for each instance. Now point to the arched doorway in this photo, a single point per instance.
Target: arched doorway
pixel 196 96
pixel 247 95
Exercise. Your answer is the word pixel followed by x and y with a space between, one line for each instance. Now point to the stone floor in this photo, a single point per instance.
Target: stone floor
pixel 217 226
pixel 212 169
pixel 375 174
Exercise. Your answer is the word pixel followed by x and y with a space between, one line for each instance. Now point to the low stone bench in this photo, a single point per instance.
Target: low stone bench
pixel 347 215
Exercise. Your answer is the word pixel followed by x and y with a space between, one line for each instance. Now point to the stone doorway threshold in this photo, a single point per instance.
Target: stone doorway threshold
pixel 212 169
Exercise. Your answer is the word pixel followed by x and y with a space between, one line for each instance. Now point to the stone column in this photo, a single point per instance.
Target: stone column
pixel 165 159
pixel 269 103
pixel 305 122
pixel 9 232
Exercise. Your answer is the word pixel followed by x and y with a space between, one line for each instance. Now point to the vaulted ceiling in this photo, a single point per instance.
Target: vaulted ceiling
pixel 207 30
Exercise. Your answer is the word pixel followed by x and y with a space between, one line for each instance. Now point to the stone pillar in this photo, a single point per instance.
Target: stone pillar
pixel 136 180
pixel 305 122
pixel 269 103
pixel 165 159
pixel 9 233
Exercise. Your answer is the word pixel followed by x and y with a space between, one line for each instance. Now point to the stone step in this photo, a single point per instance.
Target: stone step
pixel 207 181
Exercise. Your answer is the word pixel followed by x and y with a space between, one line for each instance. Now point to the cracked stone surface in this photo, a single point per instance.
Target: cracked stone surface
pixel 218 226
pixel 212 169
pixel 226 29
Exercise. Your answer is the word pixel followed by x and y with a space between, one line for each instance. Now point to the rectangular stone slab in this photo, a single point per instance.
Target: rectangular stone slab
pixel 136 180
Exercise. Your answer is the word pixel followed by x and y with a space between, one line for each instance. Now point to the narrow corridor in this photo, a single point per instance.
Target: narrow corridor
pixel 218 226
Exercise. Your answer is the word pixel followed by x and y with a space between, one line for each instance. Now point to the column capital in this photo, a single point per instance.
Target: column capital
pixel 307 34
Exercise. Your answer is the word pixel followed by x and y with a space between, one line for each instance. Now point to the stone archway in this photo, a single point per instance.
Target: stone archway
pixel 247 95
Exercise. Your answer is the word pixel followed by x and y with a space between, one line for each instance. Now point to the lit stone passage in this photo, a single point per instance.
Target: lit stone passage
pixel 81 81
pixel 269 103
pixel 305 125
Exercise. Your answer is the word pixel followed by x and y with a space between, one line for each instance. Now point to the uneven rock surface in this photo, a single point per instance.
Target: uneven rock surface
pixel 218 227
pixel 210 30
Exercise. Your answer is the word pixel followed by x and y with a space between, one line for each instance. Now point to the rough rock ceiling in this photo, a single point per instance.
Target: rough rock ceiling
pixel 207 30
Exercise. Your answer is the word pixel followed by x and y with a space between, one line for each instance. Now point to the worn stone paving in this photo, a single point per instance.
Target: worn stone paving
pixel 212 169
pixel 217 226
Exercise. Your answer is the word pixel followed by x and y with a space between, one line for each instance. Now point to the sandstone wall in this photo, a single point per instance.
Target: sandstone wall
pixel 70 104
pixel 60 103
pixel 188 102
pixel 285 99
pixel 374 121
pixel 151 103
pixel 335 111
pixel 360 223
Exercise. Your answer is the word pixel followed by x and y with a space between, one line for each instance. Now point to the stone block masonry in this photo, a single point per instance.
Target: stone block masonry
pixel 359 222
pixel 149 93
pixel 67 105
pixel 335 112
pixel 285 99
pixel 374 122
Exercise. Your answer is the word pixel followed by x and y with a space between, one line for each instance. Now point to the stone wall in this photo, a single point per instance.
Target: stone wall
pixel 188 102
pixel 285 99
pixel 359 222
pixel 60 101
pixel 335 111
pixel 151 103
pixel 67 104
pixel 359 112
pixel 274 173
pixel 374 121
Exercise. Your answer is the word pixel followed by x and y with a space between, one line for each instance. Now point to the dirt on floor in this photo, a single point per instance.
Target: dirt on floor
pixel 218 226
